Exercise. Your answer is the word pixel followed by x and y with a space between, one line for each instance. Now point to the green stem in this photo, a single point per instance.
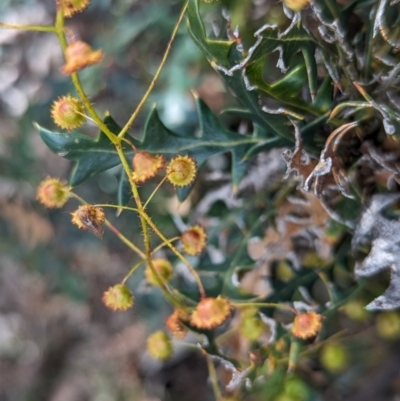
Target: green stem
pixel 156 76
pixel 176 252
pixel 263 305
pixel 214 379
pixel 125 240
pixel 163 285
pixel 133 209
pixel 59 29
pixel 133 269
pixel 163 244
pixel 36 28
pixel 154 192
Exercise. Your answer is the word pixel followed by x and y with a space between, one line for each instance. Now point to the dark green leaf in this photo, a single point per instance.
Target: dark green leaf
pixel 92 156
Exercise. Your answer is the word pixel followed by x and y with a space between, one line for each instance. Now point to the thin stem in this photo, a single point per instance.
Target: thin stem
pixel 163 244
pixel 214 379
pixel 122 237
pixel 133 209
pixel 59 29
pixel 154 192
pixel 169 294
pixel 125 240
pixel 133 269
pixel 263 305
pixel 325 280
pixel 156 76
pixel 176 252
pixel 37 28
pixel 128 172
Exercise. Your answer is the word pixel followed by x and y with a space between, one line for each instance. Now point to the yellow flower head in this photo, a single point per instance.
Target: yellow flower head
pixel 296 5
pixel 118 297
pixel 210 313
pixel 181 171
pixel 72 7
pixel 159 345
pixel 194 240
pixel 251 326
pixel 53 193
pixel 164 269
pixel 307 325
pixel 68 112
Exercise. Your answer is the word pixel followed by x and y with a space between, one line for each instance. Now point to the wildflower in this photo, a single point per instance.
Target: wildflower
pixel 181 171
pixel 53 193
pixel 307 325
pixel 72 7
pixel 194 240
pixel 251 326
pixel 68 112
pixel 388 325
pixel 164 269
pixel 146 166
pixel 118 297
pixel 296 5
pixel 210 313
pixel 159 345
pixel 334 357
pixel 80 55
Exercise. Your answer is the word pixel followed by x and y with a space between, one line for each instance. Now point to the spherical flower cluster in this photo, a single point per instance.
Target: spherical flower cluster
pixel 164 269
pixel 89 218
pixel 251 326
pixel 79 55
pixel 334 358
pixel 194 240
pixel 307 325
pixel 210 313
pixel 181 171
pixel 296 5
pixel 118 297
pixel 159 345
pixel 53 193
pixel 146 166
pixel 68 112
pixel 72 7
pixel 175 325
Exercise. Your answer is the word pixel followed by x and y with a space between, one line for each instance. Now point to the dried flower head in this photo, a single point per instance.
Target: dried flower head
pixel 68 112
pixel 79 55
pixel 210 313
pixel 53 193
pixel 159 345
pixel 194 240
pixel 146 166
pixel 307 325
pixel 118 297
pixel 89 218
pixel 296 5
pixel 181 170
pixel 72 7
pixel 175 325
pixel 164 269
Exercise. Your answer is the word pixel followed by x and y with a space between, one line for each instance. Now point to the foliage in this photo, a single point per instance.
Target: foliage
pixel 275 254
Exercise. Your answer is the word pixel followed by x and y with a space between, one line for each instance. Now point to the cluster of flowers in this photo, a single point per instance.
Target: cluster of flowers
pixel 69 113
